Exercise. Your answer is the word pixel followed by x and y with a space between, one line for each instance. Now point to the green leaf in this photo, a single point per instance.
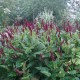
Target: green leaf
pixel 25 78
pixel 77 61
pixel 30 65
pixel 42 68
pixel 47 73
pixel 12 74
pixel 34 78
pixel 18 64
pixel 40 52
pixel 72 72
pixel 44 71
pixel 58 56
pixel 77 78
pixel 4 67
pixel 61 73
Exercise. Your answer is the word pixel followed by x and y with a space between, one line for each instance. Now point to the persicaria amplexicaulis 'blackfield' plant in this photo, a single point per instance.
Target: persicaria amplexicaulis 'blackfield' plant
pixel 40 50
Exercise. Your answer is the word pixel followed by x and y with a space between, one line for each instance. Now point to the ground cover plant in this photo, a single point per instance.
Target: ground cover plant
pixel 40 51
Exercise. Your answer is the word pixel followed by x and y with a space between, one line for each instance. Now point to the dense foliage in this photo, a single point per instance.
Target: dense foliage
pixel 40 51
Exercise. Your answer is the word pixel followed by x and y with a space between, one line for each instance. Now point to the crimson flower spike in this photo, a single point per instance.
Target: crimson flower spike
pixel 32 25
pixel 16 23
pixel 59 34
pixel 4 35
pixel 23 29
pixel 51 26
pixel 10 34
pixel 1 51
pixel 62 42
pixel 18 72
pixel 69 26
pixel 59 50
pixel 67 29
pixel 24 26
pixel 52 56
pixel 66 69
pixel 64 26
pixel 30 29
pixel 25 22
pixel 34 21
pixel 16 28
pixel 3 61
pixel 46 27
pixel 12 46
pixel 48 39
pixel 11 30
pixel 58 31
pixel 42 23
pixel 37 29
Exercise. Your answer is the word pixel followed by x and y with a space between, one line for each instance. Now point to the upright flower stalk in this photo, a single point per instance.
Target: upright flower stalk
pixel 52 56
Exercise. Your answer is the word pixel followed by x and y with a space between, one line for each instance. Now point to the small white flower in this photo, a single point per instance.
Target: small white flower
pixel 6 10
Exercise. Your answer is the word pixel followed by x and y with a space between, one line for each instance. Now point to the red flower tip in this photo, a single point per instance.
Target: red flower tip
pixel 57 29
pixel 12 46
pixel 67 29
pixel 3 61
pixel 18 72
pixel 66 69
pixel 48 39
pixel 59 50
pixel 52 56
pixel 30 29
pixel 51 26
pixel 42 23
pixel 1 51
pixel 0 55
pixel 59 34
pixel 62 42
pixel 10 34
pixel 37 29
pixel 23 29
pixel 16 23
pixel 46 27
